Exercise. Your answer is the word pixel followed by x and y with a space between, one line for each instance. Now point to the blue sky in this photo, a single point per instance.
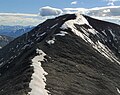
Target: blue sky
pixel 26 12
pixel 32 6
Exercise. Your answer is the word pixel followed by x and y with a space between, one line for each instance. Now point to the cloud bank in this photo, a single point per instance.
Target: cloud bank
pixel 20 19
pixel 49 11
pixel 109 13
pixel 29 19
pixel 98 11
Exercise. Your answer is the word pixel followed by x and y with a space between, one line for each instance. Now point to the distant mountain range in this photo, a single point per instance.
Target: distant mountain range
pixel 4 40
pixel 14 31
pixel 8 33
pixel 71 54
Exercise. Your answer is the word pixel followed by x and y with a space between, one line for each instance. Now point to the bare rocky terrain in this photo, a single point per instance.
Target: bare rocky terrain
pixel 80 55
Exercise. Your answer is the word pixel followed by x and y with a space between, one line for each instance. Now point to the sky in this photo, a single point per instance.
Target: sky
pixel 32 6
pixel 34 12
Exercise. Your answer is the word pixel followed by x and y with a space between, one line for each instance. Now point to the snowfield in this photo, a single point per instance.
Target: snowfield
pixel 37 83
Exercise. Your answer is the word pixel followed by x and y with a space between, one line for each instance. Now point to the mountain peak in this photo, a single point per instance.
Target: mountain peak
pixel 85 31
pixel 72 54
pixel 80 20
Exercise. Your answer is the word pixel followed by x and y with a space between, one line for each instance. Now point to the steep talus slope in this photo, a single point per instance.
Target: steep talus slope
pixel 66 55
pixel 109 31
pixel 16 58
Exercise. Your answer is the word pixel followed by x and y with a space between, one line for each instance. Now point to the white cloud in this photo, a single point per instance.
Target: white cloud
pixel 74 10
pixel 98 11
pixel 18 14
pixel 109 13
pixel 49 11
pixel 106 11
pixel 111 2
pixel 74 3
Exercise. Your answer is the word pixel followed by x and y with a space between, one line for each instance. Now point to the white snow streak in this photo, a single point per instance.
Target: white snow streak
pixel 37 83
pixel 112 33
pixel 43 34
pixel 118 90
pixel 62 33
pixel 93 31
pixel 54 26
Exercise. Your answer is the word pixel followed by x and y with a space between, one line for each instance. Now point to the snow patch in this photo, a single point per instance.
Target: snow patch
pixel 118 90
pixel 104 32
pixel 80 20
pixel 51 41
pixel 54 26
pixel 62 33
pixel 103 50
pixel 25 46
pixel 37 83
pixel 93 31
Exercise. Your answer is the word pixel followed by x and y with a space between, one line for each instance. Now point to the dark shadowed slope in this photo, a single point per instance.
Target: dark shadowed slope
pixel 69 55
pixel 4 40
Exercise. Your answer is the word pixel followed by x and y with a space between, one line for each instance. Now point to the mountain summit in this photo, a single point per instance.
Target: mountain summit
pixel 72 54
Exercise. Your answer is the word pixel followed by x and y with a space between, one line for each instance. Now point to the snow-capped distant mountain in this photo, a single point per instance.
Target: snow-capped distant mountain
pixel 70 55
pixel 14 31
